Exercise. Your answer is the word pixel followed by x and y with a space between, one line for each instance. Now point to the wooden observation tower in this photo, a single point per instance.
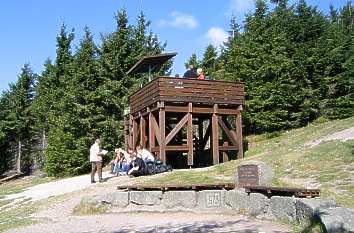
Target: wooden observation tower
pixel 185 122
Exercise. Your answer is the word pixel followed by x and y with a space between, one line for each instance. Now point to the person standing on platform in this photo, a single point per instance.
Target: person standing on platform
pixel 200 74
pixel 96 161
pixel 190 73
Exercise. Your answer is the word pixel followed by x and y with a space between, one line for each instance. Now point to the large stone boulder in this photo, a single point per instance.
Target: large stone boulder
pixel 212 199
pixel 262 176
pixel 336 219
pixel 238 200
pixel 145 197
pixel 179 200
pixel 306 208
pixel 117 199
pixel 283 208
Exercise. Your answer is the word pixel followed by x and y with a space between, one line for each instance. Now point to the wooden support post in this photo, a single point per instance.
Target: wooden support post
pixel 142 131
pixel 162 135
pixel 215 135
pixel 151 133
pixel 225 157
pixel 135 134
pixel 238 123
pixel 131 131
pixel 126 133
pixel 200 148
pixel 190 136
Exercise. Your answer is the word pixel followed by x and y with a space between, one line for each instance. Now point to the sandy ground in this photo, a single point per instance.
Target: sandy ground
pixel 58 216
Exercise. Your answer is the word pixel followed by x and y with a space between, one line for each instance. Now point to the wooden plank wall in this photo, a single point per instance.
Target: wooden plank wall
pixel 187 90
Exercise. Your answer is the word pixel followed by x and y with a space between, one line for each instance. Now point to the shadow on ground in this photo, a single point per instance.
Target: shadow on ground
pixel 240 226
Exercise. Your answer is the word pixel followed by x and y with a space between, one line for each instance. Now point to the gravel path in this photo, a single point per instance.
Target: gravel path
pixel 344 135
pixel 56 188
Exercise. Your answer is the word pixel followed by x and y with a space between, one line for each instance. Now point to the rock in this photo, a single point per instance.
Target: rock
pixel 238 200
pixel 283 208
pixel 179 199
pixel 257 204
pixel 264 176
pixel 306 208
pixel 212 199
pixel 119 199
pixel 145 197
pixel 336 219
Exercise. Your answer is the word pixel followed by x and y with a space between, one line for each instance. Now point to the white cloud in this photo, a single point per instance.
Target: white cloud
pixel 179 20
pixel 241 6
pixel 217 36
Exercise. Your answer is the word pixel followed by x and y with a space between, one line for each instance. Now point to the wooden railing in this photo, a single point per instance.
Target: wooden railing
pixel 169 89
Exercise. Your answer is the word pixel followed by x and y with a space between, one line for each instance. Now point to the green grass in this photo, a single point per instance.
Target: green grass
pixel 329 165
pixel 22 215
pixel 17 217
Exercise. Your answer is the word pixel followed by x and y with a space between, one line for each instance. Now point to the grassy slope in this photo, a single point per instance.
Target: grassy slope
pixel 329 166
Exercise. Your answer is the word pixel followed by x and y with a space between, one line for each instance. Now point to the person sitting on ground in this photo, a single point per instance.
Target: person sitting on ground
pixel 117 162
pixel 138 167
pixel 146 155
pixel 200 74
pixel 190 73
pixel 127 157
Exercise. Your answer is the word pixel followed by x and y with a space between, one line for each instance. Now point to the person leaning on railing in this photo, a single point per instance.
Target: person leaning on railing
pixel 200 74
pixel 190 73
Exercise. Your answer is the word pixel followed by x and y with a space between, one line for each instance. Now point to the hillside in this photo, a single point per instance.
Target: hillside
pixel 320 155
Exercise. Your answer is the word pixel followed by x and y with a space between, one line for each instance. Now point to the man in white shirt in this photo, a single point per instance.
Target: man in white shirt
pixel 143 153
pixel 96 161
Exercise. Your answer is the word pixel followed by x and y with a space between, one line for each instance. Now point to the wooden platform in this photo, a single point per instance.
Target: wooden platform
pixel 183 90
pixel 266 190
pixel 202 118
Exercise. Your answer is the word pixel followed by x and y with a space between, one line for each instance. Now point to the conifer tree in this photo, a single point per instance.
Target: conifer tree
pixel 20 120
pixel 209 60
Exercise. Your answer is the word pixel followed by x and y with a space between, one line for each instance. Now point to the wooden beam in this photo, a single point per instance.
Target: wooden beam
pixel 162 133
pixel 227 131
pixel 201 110
pixel 238 123
pixel 225 157
pixel 131 131
pixel 142 131
pixel 151 132
pixel 136 130
pixel 155 128
pixel 176 108
pixel 223 148
pixel 177 128
pixel 206 137
pixel 215 135
pixel 190 137
pixel 172 148
pixel 126 133
pixel 200 138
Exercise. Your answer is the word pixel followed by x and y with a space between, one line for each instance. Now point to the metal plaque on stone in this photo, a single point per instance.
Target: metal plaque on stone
pixel 248 175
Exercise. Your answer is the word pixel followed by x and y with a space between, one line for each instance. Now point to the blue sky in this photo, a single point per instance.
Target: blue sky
pixel 28 28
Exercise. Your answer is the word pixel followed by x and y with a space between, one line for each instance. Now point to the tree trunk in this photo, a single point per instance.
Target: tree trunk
pixel 18 161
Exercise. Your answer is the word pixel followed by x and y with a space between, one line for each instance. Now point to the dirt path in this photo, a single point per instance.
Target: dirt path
pixel 58 216
pixel 152 222
pixel 344 135
pixel 55 188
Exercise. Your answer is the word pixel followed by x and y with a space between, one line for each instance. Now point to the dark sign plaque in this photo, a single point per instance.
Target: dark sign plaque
pixel 248 175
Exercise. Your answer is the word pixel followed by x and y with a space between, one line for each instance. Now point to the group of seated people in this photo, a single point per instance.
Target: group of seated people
pixel 131 162
pixel 191 73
